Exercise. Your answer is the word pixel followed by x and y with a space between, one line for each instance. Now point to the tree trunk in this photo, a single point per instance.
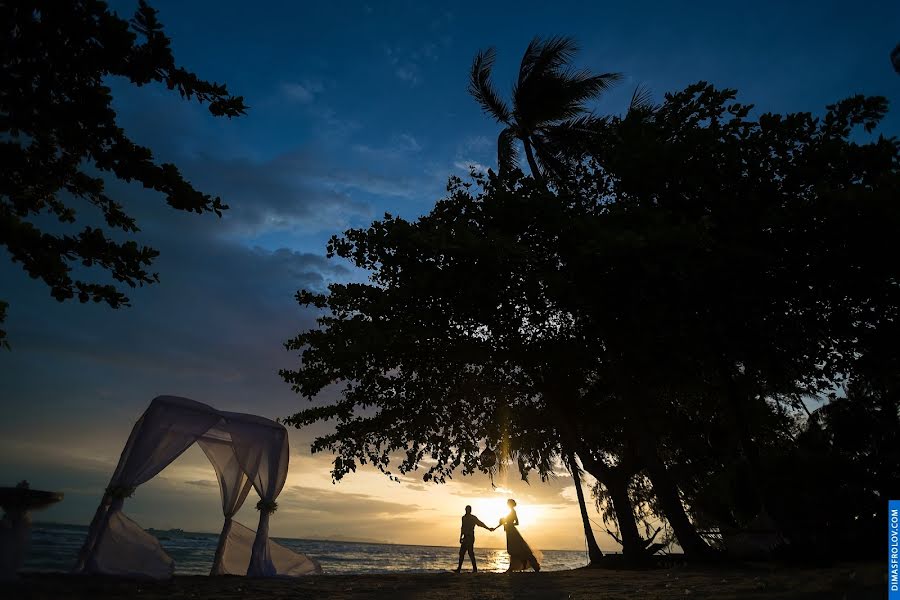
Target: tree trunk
pixel 595 555
pixel 532 164
pixel 616 479
pixel 667 494
pixel 632 542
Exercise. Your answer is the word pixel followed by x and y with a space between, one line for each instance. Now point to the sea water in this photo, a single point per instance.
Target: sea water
pixel 54 547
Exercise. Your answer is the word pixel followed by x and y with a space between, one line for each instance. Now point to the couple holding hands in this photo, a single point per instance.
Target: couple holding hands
pixel 521 556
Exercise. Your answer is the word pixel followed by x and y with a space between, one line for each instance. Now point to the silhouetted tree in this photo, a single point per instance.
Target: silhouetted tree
pixel 59 135
pixel 758 249
pixel 659 317
pixel 595 555
pixel 548 113
pixel 549 117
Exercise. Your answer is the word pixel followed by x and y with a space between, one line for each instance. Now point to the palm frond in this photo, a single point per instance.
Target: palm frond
pixel 641 100
pixel 547 55
pixel 561 145
pixel 507 153
pixel 554 156
pixel 577 127
pixel 581 86
pixel 556 97
pixel 481 88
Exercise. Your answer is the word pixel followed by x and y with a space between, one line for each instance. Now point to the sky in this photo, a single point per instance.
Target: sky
pixel 356 109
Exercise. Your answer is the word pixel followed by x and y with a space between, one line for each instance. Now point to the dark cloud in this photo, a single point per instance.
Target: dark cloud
pixel 336 502
pixel 203 483
pixel 283 194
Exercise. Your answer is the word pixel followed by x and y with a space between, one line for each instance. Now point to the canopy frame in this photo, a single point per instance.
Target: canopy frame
pixel 246 451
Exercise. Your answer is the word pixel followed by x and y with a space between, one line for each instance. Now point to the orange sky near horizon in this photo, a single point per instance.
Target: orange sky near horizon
pixel 364 506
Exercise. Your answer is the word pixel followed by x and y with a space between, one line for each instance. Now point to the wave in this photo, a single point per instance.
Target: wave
pixel 55 546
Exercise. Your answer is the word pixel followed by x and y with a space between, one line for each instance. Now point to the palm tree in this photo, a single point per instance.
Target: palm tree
pixel 548 113
pixel 595 555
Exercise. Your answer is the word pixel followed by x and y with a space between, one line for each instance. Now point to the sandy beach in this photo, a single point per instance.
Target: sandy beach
pixel 849 581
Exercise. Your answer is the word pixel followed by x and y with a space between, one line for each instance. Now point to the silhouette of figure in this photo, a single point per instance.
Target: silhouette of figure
pixel 520 553
pixel 467 538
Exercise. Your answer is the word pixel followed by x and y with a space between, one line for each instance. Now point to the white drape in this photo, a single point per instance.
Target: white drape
pixel 234 486
pixel 143 549
pixel 236 555
pixel 268 463
pixel 165 430
pixel 245 451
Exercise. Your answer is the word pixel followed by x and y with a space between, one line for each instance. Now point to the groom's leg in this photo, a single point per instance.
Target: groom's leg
pixel 472 558
pixel 462 553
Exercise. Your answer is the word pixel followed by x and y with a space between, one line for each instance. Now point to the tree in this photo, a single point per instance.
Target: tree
pixel 549 117
pixel 659 317
pixel 548 113
pixel 60 136
pixel 759 246
pixel 595 555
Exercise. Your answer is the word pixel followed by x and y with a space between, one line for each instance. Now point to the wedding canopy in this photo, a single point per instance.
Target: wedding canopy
pixel 246 451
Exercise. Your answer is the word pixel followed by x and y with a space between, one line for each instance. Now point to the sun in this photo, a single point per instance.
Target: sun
pixel 492 508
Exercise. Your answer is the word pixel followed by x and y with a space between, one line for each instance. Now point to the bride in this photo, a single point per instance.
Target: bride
pixel 520 554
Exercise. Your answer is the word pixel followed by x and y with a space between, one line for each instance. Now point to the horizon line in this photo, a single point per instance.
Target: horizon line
pixel 314 539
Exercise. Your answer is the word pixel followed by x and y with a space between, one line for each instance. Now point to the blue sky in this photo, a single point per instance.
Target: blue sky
pixel 356 109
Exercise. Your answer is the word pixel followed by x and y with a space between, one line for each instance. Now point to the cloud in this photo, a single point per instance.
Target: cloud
pixel 468 165
pixel 408 64
pixel 329 125
pixel 280 194
pixel 477 143
pixel 411 60
pixel 344 504
pixel 476 151
pixel 400 146
pixel 203 483
pixel 303 93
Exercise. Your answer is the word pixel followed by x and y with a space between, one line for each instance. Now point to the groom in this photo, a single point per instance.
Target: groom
pixel 467 538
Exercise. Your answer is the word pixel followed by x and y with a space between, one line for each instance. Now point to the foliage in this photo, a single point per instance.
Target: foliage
pixel 436 365
pixel 59 135
pixel 548 113
pixel 668 309
pixel 757 273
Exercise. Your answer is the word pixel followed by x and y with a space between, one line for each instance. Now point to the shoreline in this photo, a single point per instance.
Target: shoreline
pixel 154 531
pixel 849 580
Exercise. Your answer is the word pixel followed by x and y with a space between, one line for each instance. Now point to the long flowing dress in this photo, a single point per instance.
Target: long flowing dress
pixel 521 556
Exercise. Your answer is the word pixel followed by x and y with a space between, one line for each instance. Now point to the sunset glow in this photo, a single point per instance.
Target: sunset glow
pixel 625 267
pixel 492 509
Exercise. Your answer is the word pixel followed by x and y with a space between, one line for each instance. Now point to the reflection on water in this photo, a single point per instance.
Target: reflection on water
pixel 497 561
pixel 54 548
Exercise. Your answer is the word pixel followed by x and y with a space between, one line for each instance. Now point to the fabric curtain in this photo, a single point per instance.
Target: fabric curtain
pixel 126 550
pixel 240 546
pixel 234 485
pixel 168 428
pixel 245 451
pixel 263 453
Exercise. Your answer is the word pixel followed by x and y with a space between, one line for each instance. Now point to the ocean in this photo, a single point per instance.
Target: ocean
pixel 55 546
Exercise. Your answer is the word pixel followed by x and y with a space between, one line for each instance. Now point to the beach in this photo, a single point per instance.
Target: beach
pixel 850 581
